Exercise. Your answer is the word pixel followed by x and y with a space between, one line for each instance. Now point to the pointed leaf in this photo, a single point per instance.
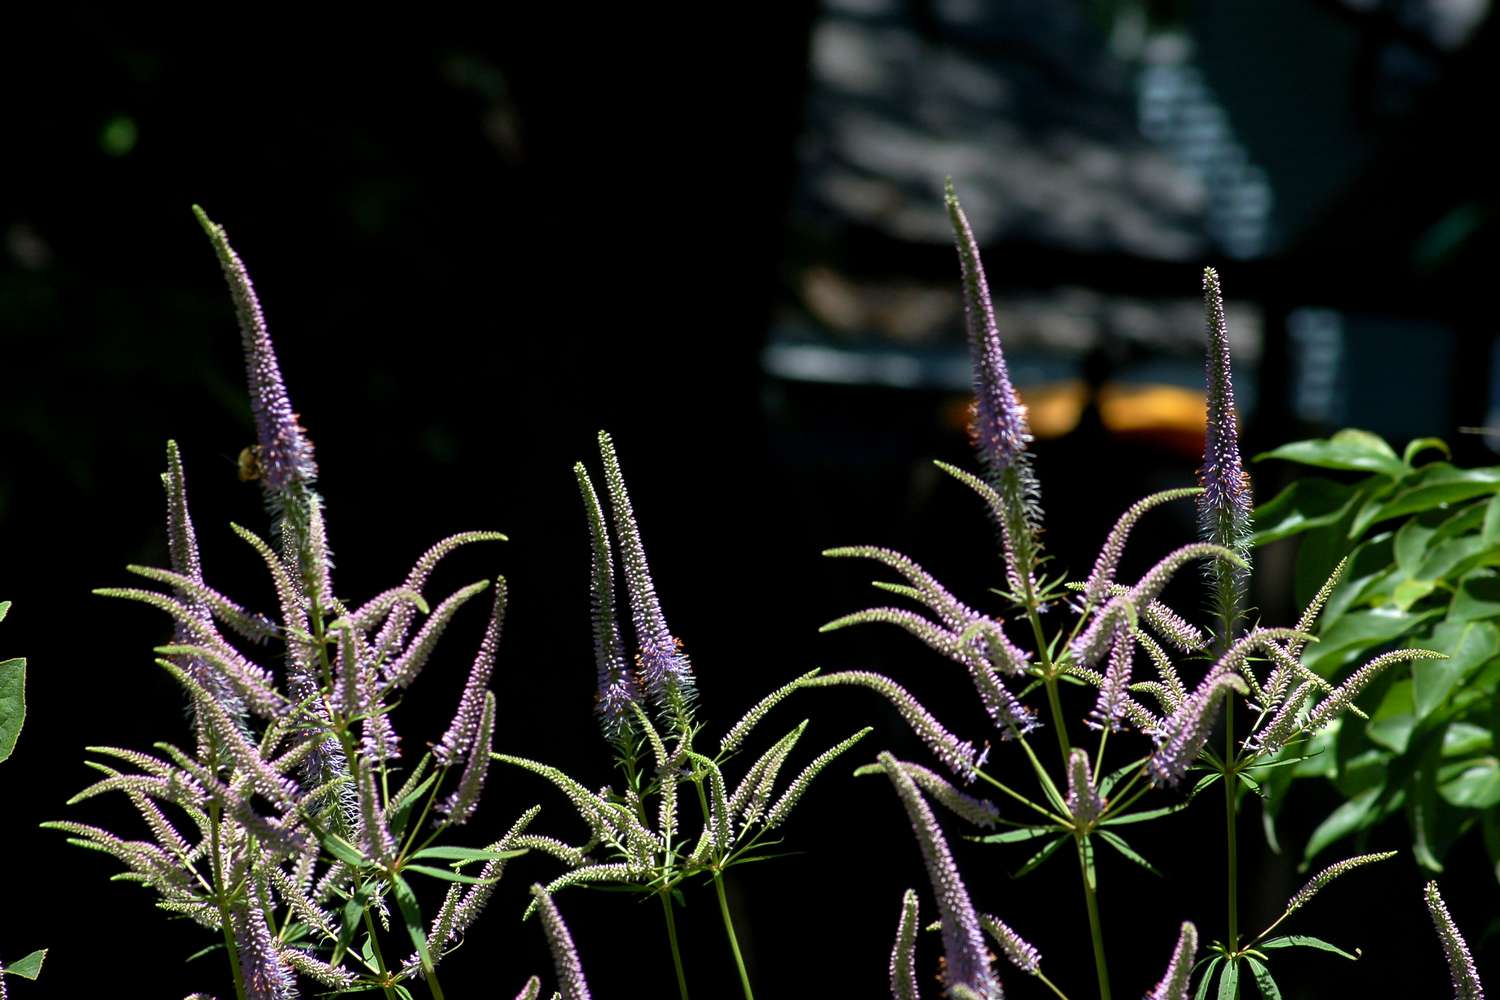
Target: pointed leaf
pixel 1304 941
pixel 1351 449
pixel 1263 980
pixel 1118 843
pixel 1229 982
pixel 12 704
pixel 29 967
pixel 1040 856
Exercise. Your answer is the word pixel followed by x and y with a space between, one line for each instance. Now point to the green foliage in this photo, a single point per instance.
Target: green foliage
pixel 12 697
pixel 1423 548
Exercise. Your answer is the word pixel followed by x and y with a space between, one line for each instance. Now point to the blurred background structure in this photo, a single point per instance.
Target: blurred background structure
pixel 723 239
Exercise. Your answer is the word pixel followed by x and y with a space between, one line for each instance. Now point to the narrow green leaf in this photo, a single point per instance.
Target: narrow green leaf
pixel 464 854
pixel 1263 980
pixel 1022 835
pixel 411 915
pixel 1040 856
pixel 402 814
pixel 1118 843
pixel 341 849
pixel 1229 982
pixel 29 967
pixel 448 874
pixel 1305 941
pixel 1147 815
pixel 1208 977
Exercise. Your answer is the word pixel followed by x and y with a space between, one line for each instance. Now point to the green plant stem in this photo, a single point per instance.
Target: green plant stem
pixel 734 944
pixel 1231 786
pixel 225 921
pixel 379 958
pixel 1096 931
pixel 1050 984
pixel 1054 817
pixel 666 906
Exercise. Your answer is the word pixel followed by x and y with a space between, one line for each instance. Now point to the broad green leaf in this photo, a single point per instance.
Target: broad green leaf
pixel 1418 445
pixel 1469 646
pixel 449 875
pixel 1413 540
pixel 1368 567
pixel 1304 505
pixel 1477 787
pixel 12 704
pixel 1393 720
pixel 1490 531
pixel 1478 597
pixel 1347 818
pixel 1263 979
pixel 1118 843
pixel 1305 941
pixel 1463 739
pixel 1351 449
pixel 464 854
pixel 1430 487
pixel 4 609
pixel 31 966
pixel 1456 557
pixel 1409 592
pixel 1468 521
pixel 1229 982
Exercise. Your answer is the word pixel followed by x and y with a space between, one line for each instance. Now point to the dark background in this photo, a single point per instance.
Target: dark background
pixel 479 242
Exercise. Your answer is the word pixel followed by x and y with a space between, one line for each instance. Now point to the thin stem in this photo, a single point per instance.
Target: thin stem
pixel 734 944
pixel 379 958
pixel 1099 756
pixel 1231 786
pixel 225 921
pixel 1021 798
pixel 1101 966
pixel 1262 935
pixel 1050 984
pixel 666 906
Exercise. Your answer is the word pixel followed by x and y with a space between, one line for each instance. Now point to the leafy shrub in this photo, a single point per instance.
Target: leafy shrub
pixel 1420 545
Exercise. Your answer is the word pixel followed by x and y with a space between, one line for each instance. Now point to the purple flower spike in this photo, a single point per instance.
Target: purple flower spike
pixel 1109 710
pixel 1000 431
pixel 1224 507
pixel 266 974
pixel 665 672
pixel 1186 730
pixel 1084 802
pixel 285 455
pixel 1174 985
pixel 967 962
pixel 564 955
pixel 1466 984
pixel 463 731
pixel 999 428
pixel 617 686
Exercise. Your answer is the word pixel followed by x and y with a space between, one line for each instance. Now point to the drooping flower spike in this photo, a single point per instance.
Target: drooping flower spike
pixel 959 756
pixel 570 979
pixel 1224 506
pixel 1304 895
pixel 999 429
pixel 1108 561
pixel 967 964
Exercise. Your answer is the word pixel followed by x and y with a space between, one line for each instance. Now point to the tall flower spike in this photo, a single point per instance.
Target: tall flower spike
pixel 285 455
pixel 1084 802
pixel 564 956
pixel 1109 710
pixel 1174 985
pixel 1466 984
pixel 665 672
pixel 617 686
pixel 464 729
pixel 903 955
pixel 999 429
pixel 967 963
pixel 1224 506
